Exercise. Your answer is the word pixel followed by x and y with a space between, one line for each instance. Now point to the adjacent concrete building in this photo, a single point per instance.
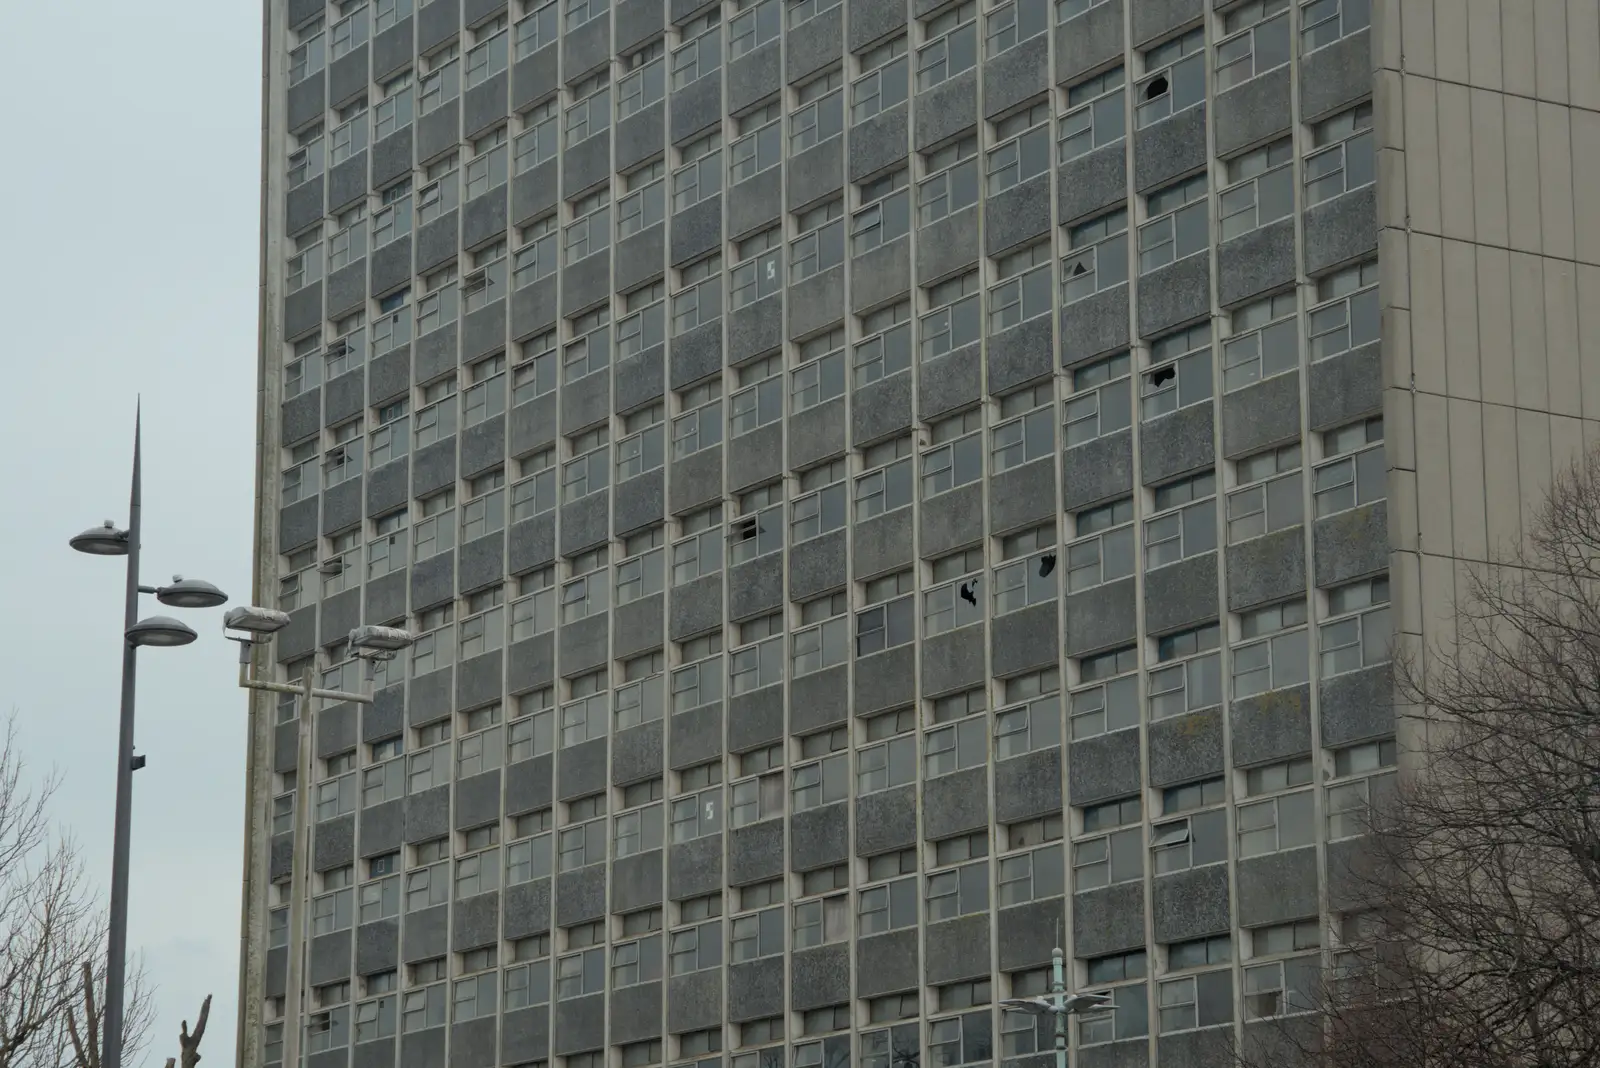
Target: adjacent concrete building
pixel 881 485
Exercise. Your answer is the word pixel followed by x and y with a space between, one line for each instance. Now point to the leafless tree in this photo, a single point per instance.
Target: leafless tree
pixel 52 931
pixel 1482 873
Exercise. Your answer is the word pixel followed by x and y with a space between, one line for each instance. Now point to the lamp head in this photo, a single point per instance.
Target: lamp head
pixel 160 632
pixel 259 623
pixel 190 593
pixel 379 643
pixel 103 540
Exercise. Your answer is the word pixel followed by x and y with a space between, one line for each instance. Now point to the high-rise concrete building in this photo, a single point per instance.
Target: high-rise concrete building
pixel 880 486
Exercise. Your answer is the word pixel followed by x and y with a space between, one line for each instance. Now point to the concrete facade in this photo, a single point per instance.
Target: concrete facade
pixel 882 485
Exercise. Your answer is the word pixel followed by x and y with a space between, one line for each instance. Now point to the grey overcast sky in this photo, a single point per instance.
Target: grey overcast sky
pixel 130 244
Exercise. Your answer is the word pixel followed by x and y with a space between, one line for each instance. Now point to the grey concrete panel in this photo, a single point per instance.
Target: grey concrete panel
pixel 1017 216
pixel 524 1033
pixel 476 922
pixel 341 506
pixel 1016 75
pixel 420 1049
pixel 438 241
pixel 535 77
pixel 1267 569
pixel 1103 767
pixel 756 989
pixel 1171 148
pixel 886 821
pixel 382 828
pixel 477 800
pixel 481 561
pixel 636 1013
pixel 820 837
pixel 696 231
pixel 755 203
pixel 694 1001
pixel 1349 871
pixel 482 218
pixel 580 895
pixel 950 382
pixel 1336 76
pixel 755 76
pixel 1256 263
pixel 377 946
pixel 1278 887
pixel 756 587
pixel 887 963
pixel 472 1043
pixel 1346 387
pixel 300 636
pixel 483 445
pixel 582 766
pixel 533 192
pixel 1348 545
pixel 755 852
pixel 1261 415
pixel 1102 618
pixel 696 107
pixel 755 719
pixel 281 853
pixel 696 736
pixel 1108 920
pixel 641 379
pixel 584 523
pixel 385 717
pixel 818 433
pixel 585 165
pixel 347 76
pixel 1185 748
pixel 695 481
pixel 815 45
pixel 347 181
pixel 694 868
pixel 1153 19
pixel 818 700
pixel 638 626
pixel 303 206
pixel 346 395
pixel 533 425
pixel 297 525
pixel 755 329
pixel 638 21
pixel 334 843
pixel 637 882
pixel 1026 640
pixel 483 106
pixel 1281 1041
pixel 1027 786
pixel 386 596
pixel 640 137
pixel 818 301
pixel 428 814
pixel 640 501
pixel 585 48
pixel 1089 42
pixel 531 543
pixel 640 257
pixel 306 101
pixel 954 661
pixel 1178 443
pixel 433 581
pixel 1207 1048
pixel 1023 496
pixel 580 1024
pixel 533 308
pixel 957 949
pixel 1253 113
pixel 438 131
pixel 530 663
pixel 430 697
pixel 302 309
pixel 528 908
pixel 336 727
pixel 884 543
pixel 425 934
pixel 436 23
pixel 392 156
pixel 389 375
pixel 695 607
pixel 881 276
pixel 873 20
pixel 885 680
pixel 1191 904
pixel 947 247
pixel 879 143
pixel 636 753
pixel 1342 229
pixel 695 354
pixel 1097 471
pixel 945 111
pixel 952 520
pixel 392 49
pixel 437 352
pixel 586 283
pixel 1024 353
pixel 881 410
pixel 329 958
pixel 1357 706
pixel 755 458
pixel 1275 725
pixel 1018 932
pixel 820 976
pixel 391 265
pixel 1175 294
pixel 955 803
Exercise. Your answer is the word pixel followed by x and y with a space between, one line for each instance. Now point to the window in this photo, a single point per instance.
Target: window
pixel 1280 658
pixel 1265 342
pixel 1178 226
pixel 699 301
pixel 305 266
pixel 582 845
pixel 700 176
pixel 442 83
pixel 1031 876
pixel 646 80
pixel 952 45
pixel 695 949
pixel 698 814
pixel 487 168
pixel 537 138
pixel 351 32
pixel 753 26
pixel 440 304
pixel 488 56
pixel 1359 474
pixel 757 273
pixel 435 531
pixel 478 873
pixel 532 732
pixel 820 376
pixel 825 638
pixel 1346 315
pixel 306 162
pixel 820 245
pixel 886 216
pixel 587 593
pixel 529 982
pixel 887 482
pixel 955 603
pixel 1179 373
pixel 892 758
pixel 1283 822
pixel 644 449
pixel 761 400
pixel 702 53
pixel 1024 149
pixel 1175 78
pixel 305 371
pixel 699 682
pixel 956 320
pixel 1094 114
pixel 1129 1015
pixel 581 973
pixel 1100 257
pixel 1014 23
pixel 645 204
pixel 821 921
pixel 890 622
pixel 1260 189
pixel 1101 403
pixel 885 81
pixel 535 491
pixel 590 230
pixel 535 30
pixel 757 935
pixel 825 781
pixel 1343 155
pixel 959 891
pixel 757 665
pixel 1023 292
pixel 1256 41
pixel 953 182
pixel 529 855
pixel 1109 699
pixel 485 629
pixel 638 961
pixel 1192 677
pixel 760 796
pixel 886 349
pixel 639 829
pixel 426 887
pixel 1357 633
pixel 1281 987
pixel 331 912
pixel 590 469
pixel 1111 849
pixel 299 481
pixel 821 113
pixel 759 528
pixel 579 12
pixel 349 242
pixel 700 552
pixel 591 115
pixel 642 698
pixel 1196 839
pixel 342 461
pixel 1270 497
pixel 388 552
pixel 806 10
pixel 760 143
pixel 1349 800
pixel 1031 579
pixel 390 222
pixel 822 508
pixel 962 744
pixel 1035 725
pixel 642 571
pixel 1323 22
pixel 309 56
pixel 1102 549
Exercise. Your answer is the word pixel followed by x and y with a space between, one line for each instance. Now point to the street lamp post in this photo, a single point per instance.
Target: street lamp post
pixel 155 631
pixel 1059 1005
pixel 256 626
